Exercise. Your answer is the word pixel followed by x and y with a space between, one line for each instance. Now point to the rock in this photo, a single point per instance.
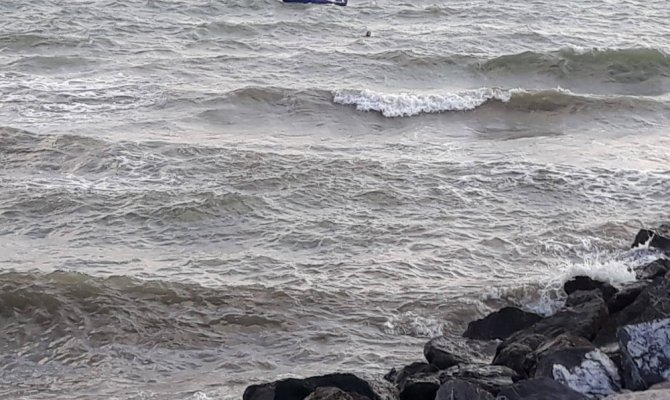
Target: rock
pixel 655 240
pixel 584 315
pixel 299 389
pixel 329 393
pixel 491 378
pixel 648 395
pixel 398 376
pixel 646 353
pixel 614 353
pixel 419 387
pixel 513 352
pixel 539 389
pixel 587 284
pixel 584 369
pixel 651 304
pixel 653 270
pixel 564 341
pixel 626 296
pixel 444 353
pixel 500 324
pixel 457 389
pixel 660 386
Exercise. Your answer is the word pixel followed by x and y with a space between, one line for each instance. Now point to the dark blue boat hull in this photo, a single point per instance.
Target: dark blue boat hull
pixel 336 2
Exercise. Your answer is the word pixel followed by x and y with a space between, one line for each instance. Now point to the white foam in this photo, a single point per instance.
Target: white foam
pixel 409 104
pixel 545 296
pixel 414 325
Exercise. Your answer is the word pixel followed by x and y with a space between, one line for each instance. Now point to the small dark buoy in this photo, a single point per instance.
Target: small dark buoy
pixel 368 34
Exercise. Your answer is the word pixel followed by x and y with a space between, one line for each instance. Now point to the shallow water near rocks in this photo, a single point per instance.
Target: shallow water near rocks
pixel 197 196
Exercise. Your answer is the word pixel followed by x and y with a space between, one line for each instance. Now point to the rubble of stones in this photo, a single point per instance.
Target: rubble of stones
pixel 605 343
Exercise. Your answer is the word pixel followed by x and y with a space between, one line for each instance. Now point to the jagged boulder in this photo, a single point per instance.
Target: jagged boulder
pixel 584 314
pixel 444 353
pixel 457 389
pixel 646 353
pixel 397 376
pixel 422 386
pixel 564 341
pixel 653 270
pixel 513 352
pixel 585 283
pixel 654 238
pixel 584 369
pixel 501 324
pixel 539 389
pixel 331 393
pixel 651 304
pixel 299 389
pixel 491 378
pixel 626 296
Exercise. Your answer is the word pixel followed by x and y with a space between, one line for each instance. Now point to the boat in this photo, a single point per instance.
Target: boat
pixel 336 2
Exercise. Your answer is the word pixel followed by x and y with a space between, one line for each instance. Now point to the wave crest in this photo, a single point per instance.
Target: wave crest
pixel 408 104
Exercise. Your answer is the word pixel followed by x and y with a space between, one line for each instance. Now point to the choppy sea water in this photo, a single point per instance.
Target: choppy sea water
pixel 200 195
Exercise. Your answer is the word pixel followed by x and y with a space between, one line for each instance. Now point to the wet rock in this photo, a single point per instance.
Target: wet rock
pixel 330 393
pixel 491 378
pixel 646 353
pixel 457 389
pixel 419 387
pixel 653 270
pixel 501 324
pixel 654 238
pixel 651 304
pixel 585 283
pixel 564 341
pixel 444 353
pixel 398 376
pixel 584 369
pixel 648 395
pixel 540 389
pixel 584 315
pixel 626 296
pixel 299 389
pixel 513 352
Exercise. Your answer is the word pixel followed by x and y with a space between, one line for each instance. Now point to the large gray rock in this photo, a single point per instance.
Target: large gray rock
pixel 422 386
pixel 655 239
pixel 651 304
pixel 513 352
pixel 539 389
pixel 647 395
pixel 584 369
pixel 646 353
pixel 330 393
pixel 626 296
pixel 584 315
pixel 299 389
pixel 653 270
pixel 398 376
pixel 492 378
pixel 501 324
pixel 444 353
pixel 457 389
pixel 585 283
pixel 561 342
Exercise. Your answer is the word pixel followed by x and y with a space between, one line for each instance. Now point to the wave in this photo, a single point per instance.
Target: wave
pixel 624 66
pixel 408 104
pixel 411 104
pixel 617 65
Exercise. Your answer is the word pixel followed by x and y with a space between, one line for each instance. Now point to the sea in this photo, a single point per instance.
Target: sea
pixel 201 195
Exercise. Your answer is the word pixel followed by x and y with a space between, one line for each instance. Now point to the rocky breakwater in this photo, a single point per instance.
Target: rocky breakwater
pixel 604 343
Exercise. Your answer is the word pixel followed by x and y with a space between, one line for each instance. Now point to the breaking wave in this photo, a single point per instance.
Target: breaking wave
pixel 411 104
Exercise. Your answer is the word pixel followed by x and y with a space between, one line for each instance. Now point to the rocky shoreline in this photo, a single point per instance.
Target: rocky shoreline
pixel 604 343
